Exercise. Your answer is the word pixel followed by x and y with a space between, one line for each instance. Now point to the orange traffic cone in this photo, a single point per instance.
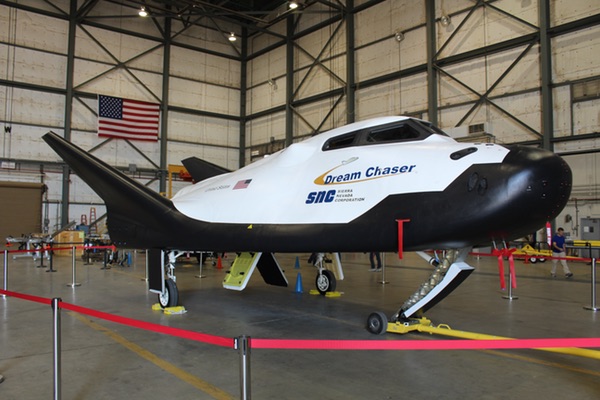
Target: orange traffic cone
pixel 219 263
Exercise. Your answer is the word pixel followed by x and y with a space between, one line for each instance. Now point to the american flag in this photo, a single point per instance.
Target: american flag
pixel 127 119
pixel 242 184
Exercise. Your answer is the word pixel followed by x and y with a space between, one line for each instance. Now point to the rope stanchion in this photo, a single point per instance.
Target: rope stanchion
pixel 242 344
pixel 5 283
pixel 593 307
pixel 74 283
pixel 56 347
pixel 512 277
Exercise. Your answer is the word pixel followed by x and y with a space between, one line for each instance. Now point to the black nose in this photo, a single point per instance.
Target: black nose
pixel 540 181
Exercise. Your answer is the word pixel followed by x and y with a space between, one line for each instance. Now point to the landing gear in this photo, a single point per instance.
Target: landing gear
pixel 325 281
pixel 170 297
pixel 449 272
pixel 163 281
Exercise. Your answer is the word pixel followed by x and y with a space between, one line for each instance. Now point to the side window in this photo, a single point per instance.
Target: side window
pixel 340 142
pixel 393 134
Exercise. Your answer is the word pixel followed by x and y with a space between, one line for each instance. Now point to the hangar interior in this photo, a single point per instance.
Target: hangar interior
pixel 501 71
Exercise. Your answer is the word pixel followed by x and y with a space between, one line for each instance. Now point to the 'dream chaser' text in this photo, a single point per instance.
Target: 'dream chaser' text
pixel 369 173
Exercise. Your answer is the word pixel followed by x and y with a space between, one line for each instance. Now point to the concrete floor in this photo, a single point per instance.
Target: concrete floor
pixel 104 360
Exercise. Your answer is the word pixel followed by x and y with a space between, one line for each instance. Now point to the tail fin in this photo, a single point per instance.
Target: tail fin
pixel 201 169
pixel 135 212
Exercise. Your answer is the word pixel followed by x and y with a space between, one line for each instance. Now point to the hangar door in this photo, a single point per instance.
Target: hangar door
pixel 20 209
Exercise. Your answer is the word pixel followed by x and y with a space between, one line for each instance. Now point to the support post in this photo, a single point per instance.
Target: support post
pixel 51 267
pixel 383 281
pixel 145 278
pixel 510 296
pixel 242 344
pixel 593 306
pixel 200 261
pixel 5 285
pixel 56 347
pixel 74 256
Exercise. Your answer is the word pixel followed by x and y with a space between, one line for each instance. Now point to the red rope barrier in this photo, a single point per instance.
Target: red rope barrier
pixel 28 297
pixel 460 344
pixel 199 337
pixel 302 344
pixel 149 326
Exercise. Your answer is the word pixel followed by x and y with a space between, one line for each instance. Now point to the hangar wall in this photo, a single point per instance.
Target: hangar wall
pixel 487 66
pixel 459 63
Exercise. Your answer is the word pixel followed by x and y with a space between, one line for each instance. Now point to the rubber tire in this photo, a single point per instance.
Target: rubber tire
pixel 325 282
pixel 377 323
pixel 542 260
pixel 533 260
pixel 171 297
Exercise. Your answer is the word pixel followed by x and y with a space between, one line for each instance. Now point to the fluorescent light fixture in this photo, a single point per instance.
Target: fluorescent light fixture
pixel 232 37
pixel 143 12
pixel 293 5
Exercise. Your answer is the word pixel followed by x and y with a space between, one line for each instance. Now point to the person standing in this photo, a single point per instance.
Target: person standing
pixel 372 256
pixel 558 250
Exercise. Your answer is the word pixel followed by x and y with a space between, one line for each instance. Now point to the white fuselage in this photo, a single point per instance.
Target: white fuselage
pixel 304 184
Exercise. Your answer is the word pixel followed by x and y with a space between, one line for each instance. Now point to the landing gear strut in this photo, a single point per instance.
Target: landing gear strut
pixel 325 280
pixel 161 276
pixel 450 271
pixel 170 295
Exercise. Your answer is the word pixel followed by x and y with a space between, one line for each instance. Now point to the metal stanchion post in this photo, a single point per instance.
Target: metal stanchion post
pixel 5 286
pixel 146 277
pixel 51 259
pixel 74 284
pixel 593 306
pixel 383 281
pixel 242 344
pixel 200 273
pixel 510 285
pixel 57 349
pixel 41 257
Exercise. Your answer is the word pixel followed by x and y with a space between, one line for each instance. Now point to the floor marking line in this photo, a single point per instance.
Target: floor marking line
pixel 542 362
pixel 198 383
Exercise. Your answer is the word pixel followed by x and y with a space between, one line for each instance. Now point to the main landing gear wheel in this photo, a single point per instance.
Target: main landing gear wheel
pixel 170 297
pixel 377 323
pixel 325 282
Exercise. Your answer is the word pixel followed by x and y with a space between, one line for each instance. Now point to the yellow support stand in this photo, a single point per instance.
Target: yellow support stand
pixel 169 310
pixel 327 294
pixel 425 325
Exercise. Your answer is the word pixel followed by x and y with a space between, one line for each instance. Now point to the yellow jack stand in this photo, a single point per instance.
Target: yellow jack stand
pixel 327 294
pixel 169 310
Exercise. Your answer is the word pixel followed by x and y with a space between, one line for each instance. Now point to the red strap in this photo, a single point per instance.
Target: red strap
pixel 401 236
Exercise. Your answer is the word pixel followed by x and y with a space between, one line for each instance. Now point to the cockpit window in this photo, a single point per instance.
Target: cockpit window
pixel 409 130
pixel 340 142
pixel 392 134
pixel 431 128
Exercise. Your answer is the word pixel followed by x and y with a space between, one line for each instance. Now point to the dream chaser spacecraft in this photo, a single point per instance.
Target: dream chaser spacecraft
pixel 385 184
